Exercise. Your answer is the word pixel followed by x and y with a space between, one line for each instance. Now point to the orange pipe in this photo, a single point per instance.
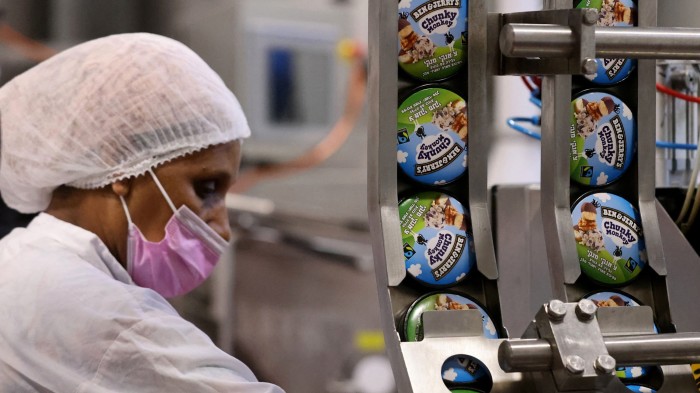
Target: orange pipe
pixel 328 146
pixel 24 45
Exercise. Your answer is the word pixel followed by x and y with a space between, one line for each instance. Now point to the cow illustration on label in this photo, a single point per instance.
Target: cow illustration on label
pixel 435 228
pixel 609 239
pixel 433 130
pixel 602 138
pixel 427 46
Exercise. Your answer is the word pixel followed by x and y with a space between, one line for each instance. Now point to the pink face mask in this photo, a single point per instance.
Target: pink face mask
pixel 182 260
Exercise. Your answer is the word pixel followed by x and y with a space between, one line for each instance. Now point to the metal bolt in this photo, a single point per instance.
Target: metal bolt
pixel 589 66
pixel 605 364
pixel 576 364
pixel 590 17
pixel 556 309
pixel 586 310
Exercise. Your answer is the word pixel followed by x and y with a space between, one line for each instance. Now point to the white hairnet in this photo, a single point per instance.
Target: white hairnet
pixel 105 110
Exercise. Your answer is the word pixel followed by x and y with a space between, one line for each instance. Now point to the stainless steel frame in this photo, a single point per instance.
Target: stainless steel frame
pixel 382 176
pixel 417 364
pixel 383 188
pixel 479 140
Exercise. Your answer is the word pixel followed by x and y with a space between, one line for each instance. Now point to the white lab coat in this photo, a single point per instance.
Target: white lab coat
pixel 72 321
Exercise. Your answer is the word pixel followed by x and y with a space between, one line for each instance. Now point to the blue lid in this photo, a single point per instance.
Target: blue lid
pixel 432 37
pixel 463 369
pixel 609 238
pixel 617 13
pixel 640 388
pixel 632 373
pixel 612 71
pixel 438 250
pixel 603 138
pixel 432 136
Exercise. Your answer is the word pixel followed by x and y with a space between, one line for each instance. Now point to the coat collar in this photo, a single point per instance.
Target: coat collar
pixel 84 243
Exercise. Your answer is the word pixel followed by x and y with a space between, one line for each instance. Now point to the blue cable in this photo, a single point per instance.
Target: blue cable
pixel 512 122
pixel 535 100
pixel 679 146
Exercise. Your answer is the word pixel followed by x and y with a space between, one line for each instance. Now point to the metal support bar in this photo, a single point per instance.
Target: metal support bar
pixel 381 176
pixel 530 40
pixel 583 33
pixel 479 141
pixel 647 350
pixel 556 210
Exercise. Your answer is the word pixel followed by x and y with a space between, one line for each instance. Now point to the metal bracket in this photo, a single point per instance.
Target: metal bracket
pixel 581 360
pixel 582 24
pixel 425 358
pixel 625 321
pixel 622 328
pixel 570 336
pixel 455 323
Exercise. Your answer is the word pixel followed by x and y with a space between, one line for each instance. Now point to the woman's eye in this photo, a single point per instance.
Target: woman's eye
pixel 206 188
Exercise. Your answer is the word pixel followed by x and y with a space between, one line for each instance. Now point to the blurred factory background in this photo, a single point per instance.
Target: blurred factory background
pixel 298 302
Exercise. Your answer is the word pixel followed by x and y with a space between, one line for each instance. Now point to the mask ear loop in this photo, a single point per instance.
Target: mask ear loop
pixel 126 210
pixel 162 190
pixel 129 258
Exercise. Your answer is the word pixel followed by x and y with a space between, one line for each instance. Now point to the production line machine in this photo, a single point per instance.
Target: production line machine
pixel 608 243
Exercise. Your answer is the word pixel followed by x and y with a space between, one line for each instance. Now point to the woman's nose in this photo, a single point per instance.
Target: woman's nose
pixel 218 221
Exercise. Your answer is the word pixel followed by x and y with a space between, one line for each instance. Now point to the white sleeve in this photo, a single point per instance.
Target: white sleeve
pixel 168 354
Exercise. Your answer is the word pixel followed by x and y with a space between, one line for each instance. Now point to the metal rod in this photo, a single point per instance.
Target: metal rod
pixel 687 130
pixel 674 137
pixel 525 355
pixel 693 120
pixel 530 40
pixel 662 349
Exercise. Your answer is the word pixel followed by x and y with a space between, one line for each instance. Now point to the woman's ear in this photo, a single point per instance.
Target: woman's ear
pixel 122 187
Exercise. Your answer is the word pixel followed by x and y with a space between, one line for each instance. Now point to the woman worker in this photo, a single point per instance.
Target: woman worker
pixel 127 145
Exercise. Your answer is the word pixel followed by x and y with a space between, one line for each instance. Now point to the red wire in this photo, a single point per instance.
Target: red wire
pixel 677 94
pixel 330 144
pixel 537 80
pixel 527 83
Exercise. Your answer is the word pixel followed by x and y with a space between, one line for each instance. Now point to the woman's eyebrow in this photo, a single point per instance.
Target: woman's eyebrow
pixel 218 173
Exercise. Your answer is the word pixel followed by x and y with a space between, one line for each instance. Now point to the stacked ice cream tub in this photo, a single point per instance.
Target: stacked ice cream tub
pixel 432 152
pixel 606 223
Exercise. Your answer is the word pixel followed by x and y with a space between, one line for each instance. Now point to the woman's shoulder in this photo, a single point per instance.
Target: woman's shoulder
pixel 47 277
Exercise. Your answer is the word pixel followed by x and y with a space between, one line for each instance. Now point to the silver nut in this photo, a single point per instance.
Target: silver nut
pixel 575 364
pixel 589 66
pixel 605 364
pixel 556 309
pixel 586 309
pixel 590 17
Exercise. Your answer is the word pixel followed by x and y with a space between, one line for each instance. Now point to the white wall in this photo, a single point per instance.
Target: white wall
pixel 335 191
pixel 514 158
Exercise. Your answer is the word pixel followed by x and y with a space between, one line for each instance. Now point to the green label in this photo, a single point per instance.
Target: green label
pixel 590 4
pixel 602 266
pixel 432 37
pixel 432 134
pixel 412 216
